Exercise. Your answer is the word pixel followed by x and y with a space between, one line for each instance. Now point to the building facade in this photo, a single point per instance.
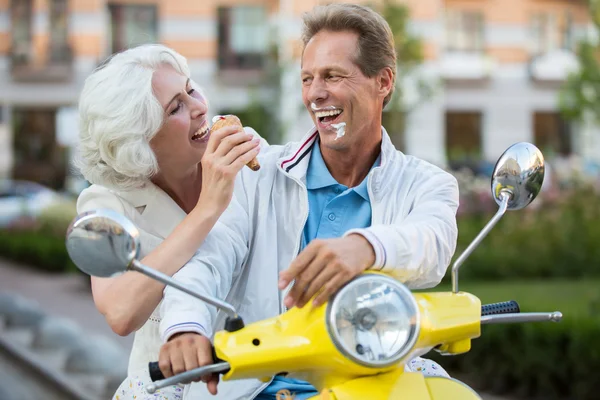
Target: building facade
pixel 501 64
pixel 497 66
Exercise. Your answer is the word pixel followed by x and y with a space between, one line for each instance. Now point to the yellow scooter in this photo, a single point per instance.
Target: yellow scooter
pixel 356 345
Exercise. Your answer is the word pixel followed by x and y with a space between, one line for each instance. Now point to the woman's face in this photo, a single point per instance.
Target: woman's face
pixel 181 141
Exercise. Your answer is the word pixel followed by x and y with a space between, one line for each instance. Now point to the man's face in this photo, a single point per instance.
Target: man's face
pixel 337 95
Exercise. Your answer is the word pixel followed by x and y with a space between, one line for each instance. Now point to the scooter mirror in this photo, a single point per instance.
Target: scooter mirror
pixel 516 181
pixel 102 242
pixel 519 173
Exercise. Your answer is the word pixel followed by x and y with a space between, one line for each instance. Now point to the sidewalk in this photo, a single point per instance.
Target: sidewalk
pixel 67 296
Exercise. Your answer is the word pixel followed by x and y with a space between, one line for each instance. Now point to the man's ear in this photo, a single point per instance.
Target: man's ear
pixel 385 81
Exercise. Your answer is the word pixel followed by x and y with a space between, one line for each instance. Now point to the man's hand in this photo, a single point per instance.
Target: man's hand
pixel 325 266
pixel 186 351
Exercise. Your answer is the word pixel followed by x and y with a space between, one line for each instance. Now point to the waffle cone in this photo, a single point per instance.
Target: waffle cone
pixel 229 120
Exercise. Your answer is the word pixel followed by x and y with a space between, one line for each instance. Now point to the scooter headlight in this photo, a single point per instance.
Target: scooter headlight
pixel 373 320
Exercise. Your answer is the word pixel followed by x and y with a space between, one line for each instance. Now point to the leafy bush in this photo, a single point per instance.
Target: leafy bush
pixel 543 360
pixel 552 240
pixel 37 249
pixel 41 243
pixel 55 219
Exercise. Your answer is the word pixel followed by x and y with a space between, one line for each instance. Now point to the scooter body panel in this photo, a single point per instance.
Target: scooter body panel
pixel 399 386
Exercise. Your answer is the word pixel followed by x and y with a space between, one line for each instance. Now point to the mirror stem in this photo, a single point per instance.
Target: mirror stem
pixel 167 280
pixel 505 196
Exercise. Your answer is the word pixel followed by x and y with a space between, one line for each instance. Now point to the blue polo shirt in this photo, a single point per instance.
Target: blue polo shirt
pixel 333 210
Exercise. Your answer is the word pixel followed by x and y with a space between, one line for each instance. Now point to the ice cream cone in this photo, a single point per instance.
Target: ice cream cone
pixel 228 120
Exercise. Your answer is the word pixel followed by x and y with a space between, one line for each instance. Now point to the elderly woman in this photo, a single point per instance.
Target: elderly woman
pixel 146 148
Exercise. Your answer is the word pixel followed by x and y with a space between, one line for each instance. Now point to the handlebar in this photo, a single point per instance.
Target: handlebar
pixel 503 312
pixel 508 312
pixel 188 376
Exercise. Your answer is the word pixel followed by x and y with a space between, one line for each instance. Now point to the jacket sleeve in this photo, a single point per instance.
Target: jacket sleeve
pixel 210 272
pixel 418 249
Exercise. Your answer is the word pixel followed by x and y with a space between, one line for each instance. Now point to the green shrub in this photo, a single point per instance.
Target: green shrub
pixel 537 360
pixel 37 249
pixel 558 240
pixel 41 243
pixel 55 219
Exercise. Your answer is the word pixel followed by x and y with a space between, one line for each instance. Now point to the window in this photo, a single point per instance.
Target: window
pixel 37 156
pixel 59 32
pixel 551 32
pixel 21 31
pixel 464 31
pixel 463 139
pixel 552 134
pixel 243 42
pixel 132 25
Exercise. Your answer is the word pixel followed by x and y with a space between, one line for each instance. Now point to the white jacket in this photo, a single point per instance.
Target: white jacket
pixel 413 233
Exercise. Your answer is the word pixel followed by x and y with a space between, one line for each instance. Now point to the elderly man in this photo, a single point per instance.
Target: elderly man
pixel 320 211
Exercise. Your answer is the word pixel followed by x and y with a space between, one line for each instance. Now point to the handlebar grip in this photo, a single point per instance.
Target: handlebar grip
pixel 506 307
pixel 155 372
pixel 157 375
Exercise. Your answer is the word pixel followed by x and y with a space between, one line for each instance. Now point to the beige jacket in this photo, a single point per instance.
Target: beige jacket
pixel 155 214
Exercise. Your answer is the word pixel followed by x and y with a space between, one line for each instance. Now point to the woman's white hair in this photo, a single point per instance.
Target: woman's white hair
pixel 119 115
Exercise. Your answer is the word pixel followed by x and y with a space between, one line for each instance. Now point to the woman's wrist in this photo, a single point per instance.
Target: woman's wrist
pixel 205 213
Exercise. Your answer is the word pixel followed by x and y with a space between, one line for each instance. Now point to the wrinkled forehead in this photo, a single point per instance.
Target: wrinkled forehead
pixel 330 48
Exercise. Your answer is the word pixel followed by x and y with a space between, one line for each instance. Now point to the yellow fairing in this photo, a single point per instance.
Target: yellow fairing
pixel 450 389
pixel 448 319
pixel 296 342
pixel 299 343
pixel 396 385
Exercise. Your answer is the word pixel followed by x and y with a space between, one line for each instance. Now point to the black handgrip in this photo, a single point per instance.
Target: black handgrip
pixel 155 372
pixel 157 375
pixel 506 307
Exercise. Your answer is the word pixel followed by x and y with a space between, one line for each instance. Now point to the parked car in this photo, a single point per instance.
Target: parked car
pixel 24 199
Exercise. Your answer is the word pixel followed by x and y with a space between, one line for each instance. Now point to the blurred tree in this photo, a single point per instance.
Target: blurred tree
pixel 579 98
pixel 261 112
pixel 411 89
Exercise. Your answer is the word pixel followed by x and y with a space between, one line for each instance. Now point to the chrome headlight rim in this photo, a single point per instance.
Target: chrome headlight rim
pixel 406 295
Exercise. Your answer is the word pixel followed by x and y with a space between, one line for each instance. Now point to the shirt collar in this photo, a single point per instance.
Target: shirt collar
pixel 318 176
pixel 362 189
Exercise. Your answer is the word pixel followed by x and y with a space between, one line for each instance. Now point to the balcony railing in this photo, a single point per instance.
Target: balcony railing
pixel 553 66
pixel 58 67
pixel 467 66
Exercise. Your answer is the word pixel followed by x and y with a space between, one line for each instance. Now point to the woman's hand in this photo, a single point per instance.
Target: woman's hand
pixel 228 150
pixel 129 299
